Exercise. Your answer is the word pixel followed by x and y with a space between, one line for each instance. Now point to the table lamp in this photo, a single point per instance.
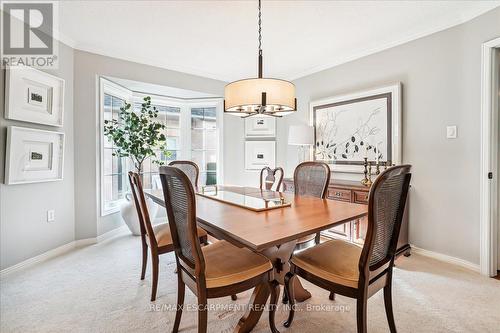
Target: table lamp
pixel 302 136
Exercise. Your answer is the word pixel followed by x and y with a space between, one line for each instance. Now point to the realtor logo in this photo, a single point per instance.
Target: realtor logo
pixel 28 34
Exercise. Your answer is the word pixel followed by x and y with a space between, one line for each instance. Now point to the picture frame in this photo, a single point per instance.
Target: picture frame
pixel 260 154
pixel 352 126
pixel 33 155
pixel 34 96
pixel 260 127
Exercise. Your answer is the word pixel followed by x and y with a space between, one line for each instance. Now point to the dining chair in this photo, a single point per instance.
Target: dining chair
pixel 311 179
pixel 359 272
pixel 216 270
pixel 157 238
pixel 270 179
pixel 190 168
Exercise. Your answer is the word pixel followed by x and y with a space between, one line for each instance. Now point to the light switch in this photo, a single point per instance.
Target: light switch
pixel 451 132
pixel 51 215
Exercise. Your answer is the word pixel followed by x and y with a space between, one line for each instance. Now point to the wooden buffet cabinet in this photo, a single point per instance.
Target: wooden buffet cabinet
pixel 355 231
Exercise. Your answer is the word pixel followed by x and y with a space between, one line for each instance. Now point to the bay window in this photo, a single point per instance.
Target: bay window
pixel 192 130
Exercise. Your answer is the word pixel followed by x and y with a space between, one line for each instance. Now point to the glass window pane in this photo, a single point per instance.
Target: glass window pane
pixel 210 118
pixel 107 161
pixel 197 118
pixel 117 191
pixel 146 165
pixel 107 188
pixel 202 181
pixel 210 158
pixel 197 139
pixel 117 165
pixel 146 180
pixel 173 117
pixel 173 142
pixel 173 156
pixel 197 157
pixel 210 139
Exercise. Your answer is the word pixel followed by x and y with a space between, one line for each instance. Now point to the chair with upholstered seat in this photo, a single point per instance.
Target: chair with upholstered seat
pixel 157 238
pixel 217 270
pixel 311 179
pixel 270 179
pixel 354 271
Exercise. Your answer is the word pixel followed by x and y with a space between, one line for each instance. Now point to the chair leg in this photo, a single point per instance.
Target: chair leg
pixel 273 304
pixel 234 297
pixel 291 298
pixel 388 307
pixel 285 296
pixel 155 277
pixel 317 238
pixel 181 288
pixel 202 314
pixel 144 259
pixel 332 296
pixel 361 314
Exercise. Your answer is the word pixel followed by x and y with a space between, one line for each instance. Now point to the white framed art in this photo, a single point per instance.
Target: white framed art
pixel 348 128
pixel 260 127
pixel 33 155
pixel 34 96
pixel 260 154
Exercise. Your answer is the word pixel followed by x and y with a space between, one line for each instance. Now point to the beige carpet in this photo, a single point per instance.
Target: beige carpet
pixel 97 289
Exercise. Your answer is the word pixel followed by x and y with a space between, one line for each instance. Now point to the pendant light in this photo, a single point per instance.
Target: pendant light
pixel 260 96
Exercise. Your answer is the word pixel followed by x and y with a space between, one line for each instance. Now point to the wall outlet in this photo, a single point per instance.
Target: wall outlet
pixel 451 132
pixel 51 215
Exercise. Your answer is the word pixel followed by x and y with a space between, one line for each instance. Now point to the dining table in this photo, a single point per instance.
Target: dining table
pixel 235 214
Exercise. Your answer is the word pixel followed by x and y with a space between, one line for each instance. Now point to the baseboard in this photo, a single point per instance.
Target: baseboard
pixel 112 234
pixel 61 250
pixel 37 259
pixel 445 258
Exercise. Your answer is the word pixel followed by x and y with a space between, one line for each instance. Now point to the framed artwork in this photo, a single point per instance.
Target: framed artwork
pixel 260 127
pixel 260 154
pixel 33 155
pixel 34 96
pixel 348 128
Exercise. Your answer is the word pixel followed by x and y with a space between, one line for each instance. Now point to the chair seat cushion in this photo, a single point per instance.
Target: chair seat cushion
pixel 226 264
pixel 163 236
pixel 336 261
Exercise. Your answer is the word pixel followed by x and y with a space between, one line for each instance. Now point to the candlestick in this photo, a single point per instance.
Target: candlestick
pixel 377 169
pixel 365 164
pixel 369 182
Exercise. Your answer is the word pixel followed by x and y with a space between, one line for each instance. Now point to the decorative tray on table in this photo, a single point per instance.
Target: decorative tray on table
pixel 246 197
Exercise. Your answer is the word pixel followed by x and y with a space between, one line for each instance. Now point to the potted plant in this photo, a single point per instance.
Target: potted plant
pixel 137 136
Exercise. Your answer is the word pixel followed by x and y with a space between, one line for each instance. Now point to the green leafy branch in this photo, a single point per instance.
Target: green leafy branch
pixel 137 135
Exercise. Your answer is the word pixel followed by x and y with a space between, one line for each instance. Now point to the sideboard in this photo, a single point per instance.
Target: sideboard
pixel 355 231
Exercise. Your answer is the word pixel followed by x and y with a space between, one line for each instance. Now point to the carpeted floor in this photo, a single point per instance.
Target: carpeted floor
pixel 97 289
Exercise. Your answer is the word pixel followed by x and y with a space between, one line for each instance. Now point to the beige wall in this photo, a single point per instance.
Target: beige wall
pixel 441 86
pixel 24 231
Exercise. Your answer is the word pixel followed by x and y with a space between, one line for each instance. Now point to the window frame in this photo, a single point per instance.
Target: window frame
pixel 108 87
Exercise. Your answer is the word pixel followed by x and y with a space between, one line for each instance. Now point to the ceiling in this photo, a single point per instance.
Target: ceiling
pixel 155 89
pixel 218 39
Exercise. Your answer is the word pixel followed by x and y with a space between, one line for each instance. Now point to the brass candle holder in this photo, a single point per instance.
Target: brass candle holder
pixel 365 165
pixel 369 182
pixel 377 168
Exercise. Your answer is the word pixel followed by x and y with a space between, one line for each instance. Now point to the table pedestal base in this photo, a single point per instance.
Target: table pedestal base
pixel 280 257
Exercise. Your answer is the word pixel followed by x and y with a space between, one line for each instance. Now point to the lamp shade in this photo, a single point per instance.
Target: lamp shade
pixel 301 135
pixel 247 96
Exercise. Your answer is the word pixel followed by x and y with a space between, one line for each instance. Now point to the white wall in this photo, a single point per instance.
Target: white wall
pixel 441 86
pixel 88 67
pixel 24 231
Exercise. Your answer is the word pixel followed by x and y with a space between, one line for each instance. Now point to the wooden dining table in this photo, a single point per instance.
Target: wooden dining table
pixel 273 233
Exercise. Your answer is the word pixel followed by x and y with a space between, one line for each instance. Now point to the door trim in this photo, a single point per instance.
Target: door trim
pixel 488 163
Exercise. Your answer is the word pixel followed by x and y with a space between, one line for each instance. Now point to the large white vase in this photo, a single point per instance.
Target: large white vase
pixel 129 213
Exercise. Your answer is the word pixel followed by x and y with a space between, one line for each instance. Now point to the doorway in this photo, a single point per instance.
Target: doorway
pixel 490 159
